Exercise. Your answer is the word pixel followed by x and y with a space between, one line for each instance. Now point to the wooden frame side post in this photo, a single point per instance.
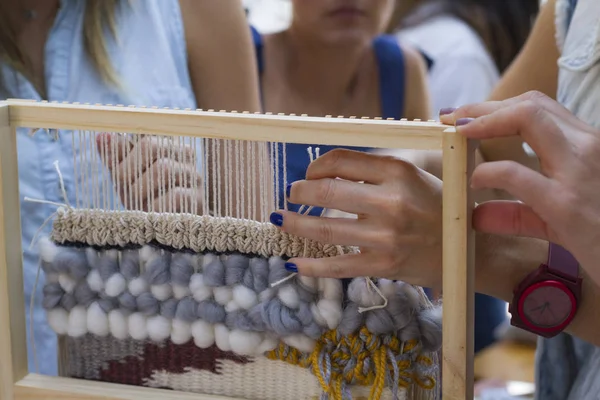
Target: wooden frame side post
pixel 458 268
pixel 13 345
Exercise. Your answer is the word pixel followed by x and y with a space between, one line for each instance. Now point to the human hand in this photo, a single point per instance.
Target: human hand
pixel 398 223
pixel 151 174
pixel 561 203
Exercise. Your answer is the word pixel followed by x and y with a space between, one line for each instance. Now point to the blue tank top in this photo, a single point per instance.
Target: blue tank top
pixel 390 62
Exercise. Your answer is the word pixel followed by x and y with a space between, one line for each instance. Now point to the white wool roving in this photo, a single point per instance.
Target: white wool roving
pixel 289 296
pixel 222 337
pixel 115 285
pixel 97 320
pixel 204 334
pixel 331 288
pixel 58 319
pixel 331 312
pixel 245 297
pixel 181 332
pixel 179 292
pixel 77 322
pixel 48 249
pixel 95 281
pixel 267 344
pixel 244 342
pixel 159 328
pixel 117 322
pixel 199 290
pixel 138 286
pixel 161 292
pixel 300 342
pixel 137 326
pixel 67 283
pixel 223 295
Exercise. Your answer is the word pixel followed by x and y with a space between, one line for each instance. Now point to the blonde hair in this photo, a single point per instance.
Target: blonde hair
pixel 99 16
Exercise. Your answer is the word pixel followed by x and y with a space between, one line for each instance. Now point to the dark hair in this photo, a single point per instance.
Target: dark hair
pixel 503 25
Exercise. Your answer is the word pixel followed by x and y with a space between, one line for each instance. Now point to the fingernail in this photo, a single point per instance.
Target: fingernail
pixel 463 121
pixel 288 190
pixel 276 219
pixel 291 267
pixel 447 110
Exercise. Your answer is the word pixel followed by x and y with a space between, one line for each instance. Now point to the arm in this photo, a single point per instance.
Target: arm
pixel 535 68
pixel 504 261
pixel 417 105
pixel 222 64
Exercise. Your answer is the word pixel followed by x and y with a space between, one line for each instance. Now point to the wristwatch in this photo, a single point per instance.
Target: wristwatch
pixel 546 301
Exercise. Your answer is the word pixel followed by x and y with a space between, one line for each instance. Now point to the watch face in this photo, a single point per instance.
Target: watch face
pixel 547 304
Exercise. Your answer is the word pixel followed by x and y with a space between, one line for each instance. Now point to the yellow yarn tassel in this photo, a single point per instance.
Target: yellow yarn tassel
pixel 333 353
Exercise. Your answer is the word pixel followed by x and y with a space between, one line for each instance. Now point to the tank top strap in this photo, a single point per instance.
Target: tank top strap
pixel 391 66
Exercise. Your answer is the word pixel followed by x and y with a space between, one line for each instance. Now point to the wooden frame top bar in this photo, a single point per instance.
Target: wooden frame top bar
pixel 376 133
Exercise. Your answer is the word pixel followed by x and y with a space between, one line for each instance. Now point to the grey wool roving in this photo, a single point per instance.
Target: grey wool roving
pixel 222 295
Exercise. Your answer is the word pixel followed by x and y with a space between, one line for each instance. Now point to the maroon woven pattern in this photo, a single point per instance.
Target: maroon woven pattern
pixel 132 362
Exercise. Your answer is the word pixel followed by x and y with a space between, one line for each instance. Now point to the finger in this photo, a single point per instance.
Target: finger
pixel 179 199
pixel 509 218
pixel 141 153
pixel 528 120
pixel 344 266
pixel 476 110
pixel 337 194
pixel 519 181
pixel 354 166
pixel 342 231
pixel 162 177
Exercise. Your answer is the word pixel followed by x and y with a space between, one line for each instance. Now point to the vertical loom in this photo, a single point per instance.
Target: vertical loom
pixel 128 279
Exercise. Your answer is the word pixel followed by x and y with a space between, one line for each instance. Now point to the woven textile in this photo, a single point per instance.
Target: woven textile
pixel 204 304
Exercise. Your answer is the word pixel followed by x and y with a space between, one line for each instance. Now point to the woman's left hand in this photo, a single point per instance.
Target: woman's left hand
pixel 152 174
pixel 398 226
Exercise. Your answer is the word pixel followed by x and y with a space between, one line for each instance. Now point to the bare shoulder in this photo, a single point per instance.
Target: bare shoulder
pixel 417 91
pixel 221 56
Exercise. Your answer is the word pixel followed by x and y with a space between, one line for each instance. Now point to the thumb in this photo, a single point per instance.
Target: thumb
pixel 510 218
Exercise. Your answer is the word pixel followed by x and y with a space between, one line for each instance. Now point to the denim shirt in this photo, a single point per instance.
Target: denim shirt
pixel 568 368
pixel 149 57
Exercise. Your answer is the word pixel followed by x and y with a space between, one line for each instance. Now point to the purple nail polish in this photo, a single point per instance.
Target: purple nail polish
pixel 447 110
pixel 291 267
pixel 463 121
pixel 276 219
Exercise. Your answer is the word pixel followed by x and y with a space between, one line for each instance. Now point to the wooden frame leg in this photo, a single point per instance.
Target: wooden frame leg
pixel 458 269
pixel 13 344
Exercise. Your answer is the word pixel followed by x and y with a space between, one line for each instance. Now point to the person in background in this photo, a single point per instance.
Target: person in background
pixel 332 60
pixel 164 53
pixel 470 44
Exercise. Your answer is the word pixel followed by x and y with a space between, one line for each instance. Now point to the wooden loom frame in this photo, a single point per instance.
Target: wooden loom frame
pixel 458 237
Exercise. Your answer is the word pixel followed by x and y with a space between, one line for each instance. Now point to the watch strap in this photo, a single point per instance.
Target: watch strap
pixel 562 262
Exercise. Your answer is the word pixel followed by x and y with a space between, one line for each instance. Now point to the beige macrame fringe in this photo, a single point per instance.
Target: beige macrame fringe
pixel 184 231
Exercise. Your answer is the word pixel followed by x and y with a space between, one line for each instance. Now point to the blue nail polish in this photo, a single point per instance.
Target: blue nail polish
pixel 276 219
pixel 291 267
pixel 288 190
pixel 463 121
